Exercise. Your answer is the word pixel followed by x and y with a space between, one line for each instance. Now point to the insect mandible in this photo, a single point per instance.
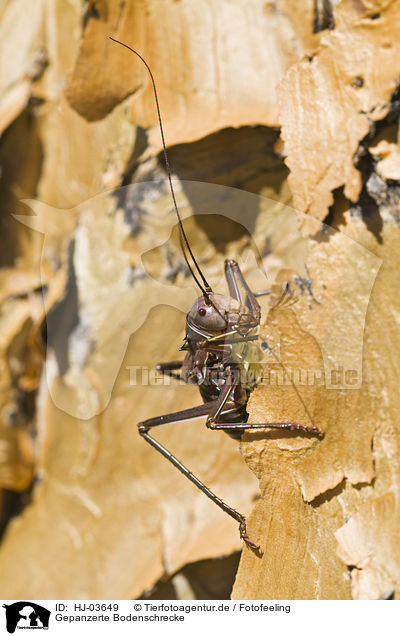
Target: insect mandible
pixel 217 328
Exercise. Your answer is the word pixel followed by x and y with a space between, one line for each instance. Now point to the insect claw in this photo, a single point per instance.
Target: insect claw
pixel 311 430
pixel 243 533
pixel 314 430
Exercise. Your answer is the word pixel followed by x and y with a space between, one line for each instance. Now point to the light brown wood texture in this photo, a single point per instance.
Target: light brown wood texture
pixel 312 487
pixel 331 504
pixel 339 92
pixel 208 58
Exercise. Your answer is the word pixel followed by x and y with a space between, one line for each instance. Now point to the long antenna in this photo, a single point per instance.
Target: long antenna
pixel 183 238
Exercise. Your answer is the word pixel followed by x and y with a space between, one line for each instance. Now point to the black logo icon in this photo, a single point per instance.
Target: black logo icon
pixel 26 615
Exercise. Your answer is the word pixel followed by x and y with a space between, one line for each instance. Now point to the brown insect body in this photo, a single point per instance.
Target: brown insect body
pixel 215 328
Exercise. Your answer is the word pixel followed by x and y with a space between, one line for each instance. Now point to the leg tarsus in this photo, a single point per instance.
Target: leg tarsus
pixel 243 533
pixel 310 430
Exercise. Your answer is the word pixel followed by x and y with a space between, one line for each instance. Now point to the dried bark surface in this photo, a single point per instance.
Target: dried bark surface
pixel 93 284
pixel 348 478
pixel 207 58
pixel 341 90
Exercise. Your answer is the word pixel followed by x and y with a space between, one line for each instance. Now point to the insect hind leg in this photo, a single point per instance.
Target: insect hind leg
pixel 180 416
pixel 288 426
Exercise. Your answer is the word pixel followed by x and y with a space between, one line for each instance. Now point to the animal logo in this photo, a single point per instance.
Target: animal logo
pixel 26 615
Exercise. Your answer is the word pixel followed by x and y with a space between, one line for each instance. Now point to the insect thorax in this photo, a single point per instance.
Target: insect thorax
pixel 248 357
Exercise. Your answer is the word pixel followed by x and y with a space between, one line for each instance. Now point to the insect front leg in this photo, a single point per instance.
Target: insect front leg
pixel 180 416
pixel 169 368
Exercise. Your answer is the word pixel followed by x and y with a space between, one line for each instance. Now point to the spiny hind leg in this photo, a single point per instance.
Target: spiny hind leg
pixel 180 416
pixel 288 426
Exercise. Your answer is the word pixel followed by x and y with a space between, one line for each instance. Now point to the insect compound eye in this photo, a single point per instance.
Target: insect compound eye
pixel 210 314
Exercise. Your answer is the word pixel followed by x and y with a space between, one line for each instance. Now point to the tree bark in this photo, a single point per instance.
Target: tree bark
pixel 282 133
